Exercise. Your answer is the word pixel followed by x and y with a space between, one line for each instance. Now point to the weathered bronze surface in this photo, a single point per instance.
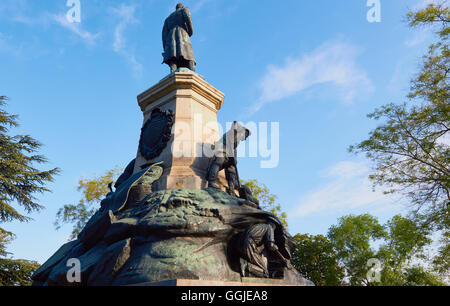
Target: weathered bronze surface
pixel 156 133
pixel 126 174
pixel 225 157
pixel 139 236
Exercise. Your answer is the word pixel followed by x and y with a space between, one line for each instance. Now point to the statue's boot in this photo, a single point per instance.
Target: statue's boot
pixel 213 184
pixel 213 175
pixel 256 271
pixel 231 188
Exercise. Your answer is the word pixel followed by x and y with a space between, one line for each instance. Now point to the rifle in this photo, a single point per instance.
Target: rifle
pixel 288 264
pixel 241 191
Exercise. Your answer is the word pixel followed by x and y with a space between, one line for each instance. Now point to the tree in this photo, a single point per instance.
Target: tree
pixel 19 179
pixel 315 258
pixel 268 201
pixel 401 243
pixel 441 261
pixel 5 238
pixel 17 272
pixel 405 240
pixel 351 240
pixel 19 182
pixel 410 149
pixel 14 272
pixel 93 189
pixel 405 244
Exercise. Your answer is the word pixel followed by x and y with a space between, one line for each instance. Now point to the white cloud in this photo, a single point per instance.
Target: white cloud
pixel 199 4
pixel 75 28
pixel 19 11
pixel 419 37
pixel 125 13
pixel 333 63
pixel 348 188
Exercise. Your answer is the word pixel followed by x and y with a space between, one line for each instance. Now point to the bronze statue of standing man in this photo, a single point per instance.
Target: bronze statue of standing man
pixel 177 45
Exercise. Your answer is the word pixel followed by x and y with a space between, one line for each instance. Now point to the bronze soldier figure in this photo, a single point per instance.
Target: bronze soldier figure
pixel 176 42
pixel 225 157
pixel 258 240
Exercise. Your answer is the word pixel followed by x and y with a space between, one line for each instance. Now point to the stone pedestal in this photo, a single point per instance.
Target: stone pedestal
pixel 195 104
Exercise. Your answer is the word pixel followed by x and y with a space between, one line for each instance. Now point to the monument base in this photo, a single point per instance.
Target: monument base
pixel 245 282
pixel 189 236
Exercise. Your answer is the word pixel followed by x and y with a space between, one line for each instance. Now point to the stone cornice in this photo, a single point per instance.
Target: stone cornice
pixel 181 80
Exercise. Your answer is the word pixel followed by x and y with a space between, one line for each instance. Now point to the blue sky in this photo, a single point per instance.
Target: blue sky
pixel 316 67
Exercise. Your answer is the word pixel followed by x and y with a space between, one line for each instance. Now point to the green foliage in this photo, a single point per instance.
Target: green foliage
pixel 14 272
pixel 315 258
pixel 410 148
pixel 409 155
pixel 19 180
pixel 418 276
pixel 351 240
pixel 93 189
pixel 398 245
pixel 439 222
pixel 5 238
pixel 17 272
pixel 431 15
pixel 441 261
pixel 405 240
pixel 268 201
pixel 405 243
pixel 409 276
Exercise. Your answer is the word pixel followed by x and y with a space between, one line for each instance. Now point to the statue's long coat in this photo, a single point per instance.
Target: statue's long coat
pixel 176 32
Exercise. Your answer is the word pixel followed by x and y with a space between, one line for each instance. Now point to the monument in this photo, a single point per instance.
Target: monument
pixel 178 214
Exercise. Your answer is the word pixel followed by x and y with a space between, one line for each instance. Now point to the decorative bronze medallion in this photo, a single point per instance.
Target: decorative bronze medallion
pixel 156 133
